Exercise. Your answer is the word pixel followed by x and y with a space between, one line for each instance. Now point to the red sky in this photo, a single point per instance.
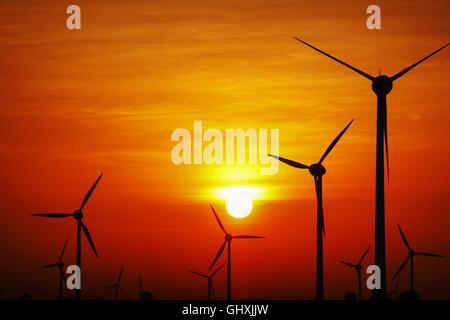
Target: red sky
pixel 107 98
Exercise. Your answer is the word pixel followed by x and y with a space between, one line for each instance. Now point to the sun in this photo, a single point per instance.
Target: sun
pixel 239 202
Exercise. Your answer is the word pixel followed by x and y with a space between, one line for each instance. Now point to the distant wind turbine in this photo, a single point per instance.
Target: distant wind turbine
pixel 358 268
pixel 77 215
pixel 144 295
pixel 410 258
pixel 381 85
pixel 395 291
pixel 228 238
pixel 317 170
pixel 60 266
pixel 116 286
pixel 210 282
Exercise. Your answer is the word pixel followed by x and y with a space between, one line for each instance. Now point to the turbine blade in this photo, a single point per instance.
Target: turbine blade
pixel 363 256
pixel 121 290
pixel 348 264
pixel 199 274
pixel 429 254
pixel 320 217
pixel 53 215
pixel 120 275
pixel 290 162
pixel 247 237
pixel 61 272
pixel 331 146
pixel 50 266
pixel 218 220
pixel 401 73
pixel 401 268
pixel 62 252
pixel 403 236
pixel 386 139
pixel 88 195
pixel 218 269
pixel 88 236
pixel 337 60
pixel 218 254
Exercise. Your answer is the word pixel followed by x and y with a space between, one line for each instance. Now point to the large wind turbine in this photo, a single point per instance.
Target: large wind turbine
pixel 116 286
pixel 381 85
pixel 60 266
pixel 410 257
pixel 210 282
pixel 77 215
pixel 228 238
pixel 317 170
pixel 358 268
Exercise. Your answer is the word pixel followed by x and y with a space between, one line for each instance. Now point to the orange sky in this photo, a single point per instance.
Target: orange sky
pixel 107 98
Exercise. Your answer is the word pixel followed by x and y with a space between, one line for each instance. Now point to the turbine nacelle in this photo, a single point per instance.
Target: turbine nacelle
pixel 78 215
pixel 382 85
pixel 60 264
pixel 317 170
pixel 228 237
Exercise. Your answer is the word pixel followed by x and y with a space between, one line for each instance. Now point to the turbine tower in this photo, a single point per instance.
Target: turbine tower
pixel 78 216
pixel 410 258
pixel 317 170
pixel 228 238
pixel 381 85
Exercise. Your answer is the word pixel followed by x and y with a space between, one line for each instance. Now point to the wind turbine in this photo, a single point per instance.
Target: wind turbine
pixel 77 215
pixel 381 85
pixel 358 268
pixel 144 295
pixel 60 266
pixel 210 282
pixel 116 286
pixel 410 257
pixel 317 170
pixel 228 238
pixel 395 291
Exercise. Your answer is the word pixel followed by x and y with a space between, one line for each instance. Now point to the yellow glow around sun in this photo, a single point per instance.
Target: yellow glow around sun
pixel 239 199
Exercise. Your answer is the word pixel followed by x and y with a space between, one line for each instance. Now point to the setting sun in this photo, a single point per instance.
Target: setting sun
pixel 239 201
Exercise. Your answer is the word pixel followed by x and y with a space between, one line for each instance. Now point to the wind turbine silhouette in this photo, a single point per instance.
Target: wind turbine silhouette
pixel 410 257
pixel 60 266
pixel 77 215
pixel 381 85
pixel 317 170
pixel 144 295
pixel 116 286
pixel 210 282
pixel 228 238
pixel 358 268
pixel 395 291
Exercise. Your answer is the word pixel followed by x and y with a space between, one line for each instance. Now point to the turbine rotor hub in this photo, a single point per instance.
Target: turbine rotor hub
pixel 78 215
pixel 228 237
pixel 60 264
pixel 358 267
pixel 317 170
pixel 382 85
pixel 412 253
